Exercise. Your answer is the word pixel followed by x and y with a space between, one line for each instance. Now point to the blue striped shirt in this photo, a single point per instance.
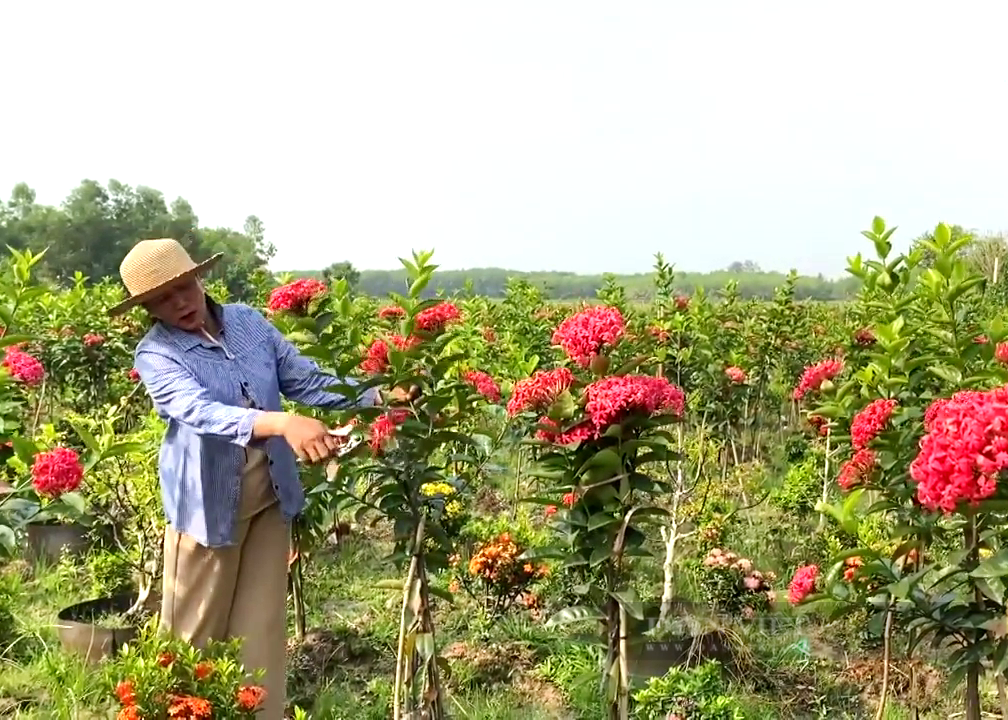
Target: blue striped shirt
pixel 199 388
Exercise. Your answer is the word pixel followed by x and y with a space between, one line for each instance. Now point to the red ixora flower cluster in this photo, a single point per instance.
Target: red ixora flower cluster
pixel 583 335
pixel 864 337
pixel 857 469
pixel 868 423
pixel 23 366
pixel 803 583
pixel 1001 353
pixel 296 296
pixel 965 448
pixel 815 375
pixel 549 431
pixel 93 339
pixel 391 312
pixel 736 374
pixel 484 384
pixel 134 375
pixel 385 427
pixel 434 319
pixel 56 471
pixel 376 357
pixel 819 423
pixel 611 399
pixel 539 391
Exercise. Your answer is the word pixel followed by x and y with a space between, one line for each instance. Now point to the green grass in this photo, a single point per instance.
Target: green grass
pixel 510 668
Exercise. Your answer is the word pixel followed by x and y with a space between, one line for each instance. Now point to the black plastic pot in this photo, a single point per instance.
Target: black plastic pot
pixel 79 634
pixel 48 541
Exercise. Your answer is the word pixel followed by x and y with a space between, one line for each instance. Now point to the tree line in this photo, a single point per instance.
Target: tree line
pixel 92 229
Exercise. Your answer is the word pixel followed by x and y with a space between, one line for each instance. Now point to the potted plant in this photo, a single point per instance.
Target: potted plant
pixel 123 491
pixel 44 500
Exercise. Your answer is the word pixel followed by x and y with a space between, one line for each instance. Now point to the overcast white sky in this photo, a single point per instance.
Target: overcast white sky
pixel 573 135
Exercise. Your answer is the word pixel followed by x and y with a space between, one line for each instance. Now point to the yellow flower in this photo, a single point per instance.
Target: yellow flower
pixel 437 488
pixel 986 552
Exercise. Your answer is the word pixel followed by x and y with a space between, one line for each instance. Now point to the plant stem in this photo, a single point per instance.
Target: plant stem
pixel 972 700
pixel 407 594
pixel 624 672
pixel 825 482
pixel 887 649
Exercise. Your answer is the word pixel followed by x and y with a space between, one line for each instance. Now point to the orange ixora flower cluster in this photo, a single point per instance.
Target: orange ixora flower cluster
pixel 185 685
pixel 497 572
pixel 497 562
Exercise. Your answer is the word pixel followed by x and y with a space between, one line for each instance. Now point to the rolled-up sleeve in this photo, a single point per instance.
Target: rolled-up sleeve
pixel 301 379
pixel 176 394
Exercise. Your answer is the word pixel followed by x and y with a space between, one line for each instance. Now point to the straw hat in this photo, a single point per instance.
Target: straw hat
pixel 151 265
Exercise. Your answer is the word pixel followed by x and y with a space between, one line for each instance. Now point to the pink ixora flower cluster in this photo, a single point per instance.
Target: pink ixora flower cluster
pixel 803 583
pixel 736 374
pixel 965 448
pixel 870 421
pixel 22 366
pixel 753 581
pixel 612 400
pixel 815 375
pixel 584 334
pixel 296 296
pixel 484 385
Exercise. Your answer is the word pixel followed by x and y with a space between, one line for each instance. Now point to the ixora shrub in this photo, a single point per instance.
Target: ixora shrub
pixel 161 678
pixel 414 462
pixel 698 693
pixel 594 433
pixel 921 422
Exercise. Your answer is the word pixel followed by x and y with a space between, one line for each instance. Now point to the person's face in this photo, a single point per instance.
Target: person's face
pixel 181 304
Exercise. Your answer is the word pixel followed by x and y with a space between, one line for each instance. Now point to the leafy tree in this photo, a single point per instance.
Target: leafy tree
pixel 96 226
pixel 344 270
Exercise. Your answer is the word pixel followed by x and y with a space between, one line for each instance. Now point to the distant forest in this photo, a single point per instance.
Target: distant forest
pixel 492 282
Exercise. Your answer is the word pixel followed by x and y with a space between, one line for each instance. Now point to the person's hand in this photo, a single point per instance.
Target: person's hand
pixel 309 439
pixel 401 395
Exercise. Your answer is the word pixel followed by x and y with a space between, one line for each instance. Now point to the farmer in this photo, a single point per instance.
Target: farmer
pixel 229 479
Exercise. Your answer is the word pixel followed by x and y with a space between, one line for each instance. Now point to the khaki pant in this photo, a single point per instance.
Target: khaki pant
pixel 239 591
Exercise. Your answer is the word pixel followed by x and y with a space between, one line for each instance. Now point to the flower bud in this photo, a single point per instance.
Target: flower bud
pixel 600 364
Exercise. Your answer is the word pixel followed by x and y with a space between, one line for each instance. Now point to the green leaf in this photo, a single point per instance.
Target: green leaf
pixel 629 601
pixel 390 584
pixel 994 566
pixel 124 448
pixel 8 541
pixel 441 593
pixel 75 501
pixel 425 646
pixel 577 613
pixel 600 554
pixel 25 450
pixel 86 437
pixel 600 520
